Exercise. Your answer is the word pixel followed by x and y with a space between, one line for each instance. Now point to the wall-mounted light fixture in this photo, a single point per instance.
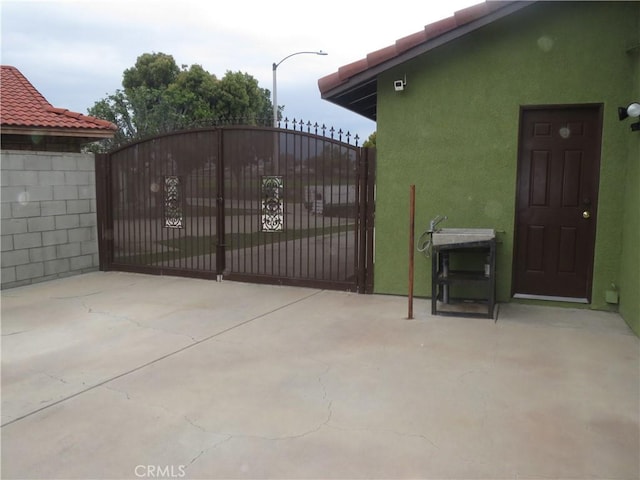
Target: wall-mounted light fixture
pixel 632 110
pixel 398 85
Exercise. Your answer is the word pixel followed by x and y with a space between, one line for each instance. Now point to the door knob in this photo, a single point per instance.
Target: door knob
pixel 586 214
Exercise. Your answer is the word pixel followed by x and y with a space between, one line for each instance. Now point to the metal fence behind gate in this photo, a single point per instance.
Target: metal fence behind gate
pixel 247 203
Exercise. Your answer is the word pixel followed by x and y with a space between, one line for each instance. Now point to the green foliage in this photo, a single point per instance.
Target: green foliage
pixel 371 141
pixel 158 97
pixel 239 96
pixel 152 70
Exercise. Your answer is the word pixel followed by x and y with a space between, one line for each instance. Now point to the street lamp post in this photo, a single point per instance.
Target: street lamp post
pixel 275 94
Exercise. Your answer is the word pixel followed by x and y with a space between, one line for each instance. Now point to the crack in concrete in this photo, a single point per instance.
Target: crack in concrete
pixel 384 431
pixel 15 333
pixel 232 436
pixel 158 359
pixel 118 287
pixel 188 420
pixel 208 449
pixel 113 389
pixel 136 322
pixel 59 379
pixel 322 424
pixel 77 296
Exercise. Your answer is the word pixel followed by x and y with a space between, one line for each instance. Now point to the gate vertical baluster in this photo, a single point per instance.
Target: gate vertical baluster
pixel 338 172
pixel 214 171
pixel 363 233
pixel 135 224
pixel 202 141
pixel 188 232
pixel 145 209
pixel 232 194
pixel 282 235
pixel 312 185
pixel 122 203
pixel 123 161
pixel 301 207
pixel 285 202
pixel 220 229
pixel 207 210
pixel 115 204
pixel 352 212
pixel 202 149
pixel 342 256
pixel 146 202
pixel 349 216
pixel 181 164
pixel 275 172
pixel 208 191
pixel 324 190
pixel 255 260
pixel 194 208
pixel 332 258
pixel 110 207
pixel 131 204
pixel 142 247
pixel 172 231
pixel 247 263
pixel 156 251
pixel 128 207
pixel 320 183
pixel 181 173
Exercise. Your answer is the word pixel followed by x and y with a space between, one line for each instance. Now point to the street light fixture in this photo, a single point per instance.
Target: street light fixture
pixel 275 95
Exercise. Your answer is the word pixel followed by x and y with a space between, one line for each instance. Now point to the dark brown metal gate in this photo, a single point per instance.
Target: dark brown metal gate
pixel 246 203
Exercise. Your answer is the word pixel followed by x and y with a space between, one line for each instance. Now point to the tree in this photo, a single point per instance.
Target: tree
pixel 160 97
pixel 371 141
pixel 152 70
pixel 239 96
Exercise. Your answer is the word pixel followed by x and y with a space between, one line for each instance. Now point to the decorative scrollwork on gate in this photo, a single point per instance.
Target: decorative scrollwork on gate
pixel 172 202
pixel 272 204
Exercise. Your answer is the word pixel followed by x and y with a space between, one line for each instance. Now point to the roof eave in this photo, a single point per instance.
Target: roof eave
pixel 364 78
pixel 58 132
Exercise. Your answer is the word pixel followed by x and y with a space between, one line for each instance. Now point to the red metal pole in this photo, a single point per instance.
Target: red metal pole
pixel 412 230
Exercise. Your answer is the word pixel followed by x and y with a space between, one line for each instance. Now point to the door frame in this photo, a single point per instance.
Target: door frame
pixel 599 109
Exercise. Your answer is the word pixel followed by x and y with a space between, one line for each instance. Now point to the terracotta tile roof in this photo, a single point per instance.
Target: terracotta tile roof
pixel 353 85
pixel 22 106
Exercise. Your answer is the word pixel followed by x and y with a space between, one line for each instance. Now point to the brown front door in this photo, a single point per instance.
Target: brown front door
pixel 558 169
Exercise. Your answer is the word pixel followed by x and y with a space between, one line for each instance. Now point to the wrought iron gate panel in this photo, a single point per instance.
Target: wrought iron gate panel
pixel 249 203
pixel 317 241
pixel 163 205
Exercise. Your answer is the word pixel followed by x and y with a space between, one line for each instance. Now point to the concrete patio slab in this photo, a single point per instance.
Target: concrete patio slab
pixel 115 375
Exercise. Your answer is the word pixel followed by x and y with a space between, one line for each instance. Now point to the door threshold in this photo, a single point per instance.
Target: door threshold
pixel 550 298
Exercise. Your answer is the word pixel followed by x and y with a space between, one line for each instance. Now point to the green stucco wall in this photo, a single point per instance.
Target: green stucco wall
pixel 630 258
pixel 453 132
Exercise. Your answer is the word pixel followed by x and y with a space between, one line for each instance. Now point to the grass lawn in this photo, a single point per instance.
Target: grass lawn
pixel 192 246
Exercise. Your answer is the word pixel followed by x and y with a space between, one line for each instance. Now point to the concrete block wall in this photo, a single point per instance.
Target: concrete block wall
pixel 49 223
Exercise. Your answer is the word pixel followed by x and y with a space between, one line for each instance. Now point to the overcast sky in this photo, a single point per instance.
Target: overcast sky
pixel 75 51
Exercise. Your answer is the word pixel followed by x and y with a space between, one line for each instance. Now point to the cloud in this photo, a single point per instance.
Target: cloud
pixel 75 51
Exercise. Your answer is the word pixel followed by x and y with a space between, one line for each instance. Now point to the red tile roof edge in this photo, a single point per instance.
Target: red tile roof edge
pixel 79 116
pixel 22 105
pixel 431 31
